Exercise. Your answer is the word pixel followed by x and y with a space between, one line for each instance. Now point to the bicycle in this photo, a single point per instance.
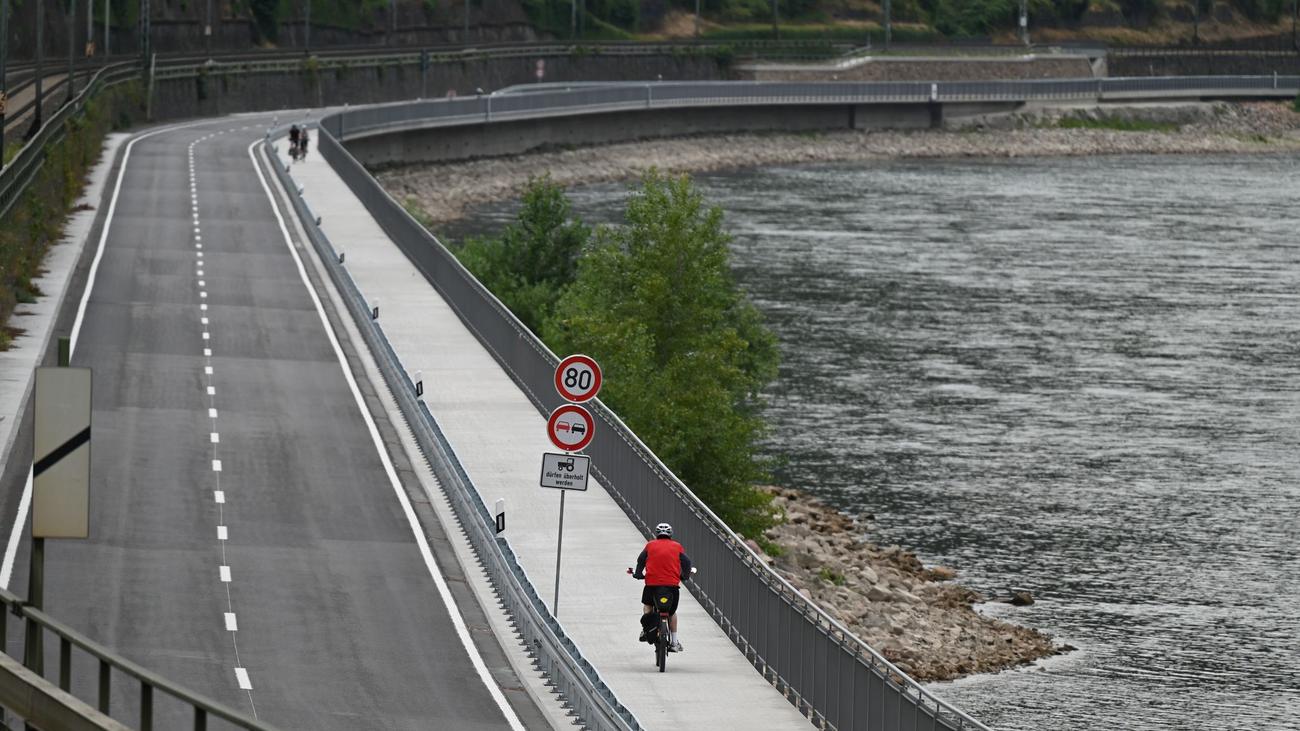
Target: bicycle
pixel 663 636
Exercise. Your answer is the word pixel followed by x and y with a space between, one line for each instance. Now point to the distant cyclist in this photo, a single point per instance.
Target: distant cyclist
pixel 664 565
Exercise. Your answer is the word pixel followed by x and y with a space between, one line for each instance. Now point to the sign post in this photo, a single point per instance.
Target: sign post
pixel 60 474
pixel 570 428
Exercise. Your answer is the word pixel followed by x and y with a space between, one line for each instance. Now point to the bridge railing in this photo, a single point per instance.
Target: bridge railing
pixel 150 690
pixel 555 654
pixel 385 118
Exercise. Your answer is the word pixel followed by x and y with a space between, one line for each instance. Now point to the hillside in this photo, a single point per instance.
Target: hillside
pixel 242 23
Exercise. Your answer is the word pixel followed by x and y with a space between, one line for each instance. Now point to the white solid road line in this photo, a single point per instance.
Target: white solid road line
pixel 25 502
pixel 462 631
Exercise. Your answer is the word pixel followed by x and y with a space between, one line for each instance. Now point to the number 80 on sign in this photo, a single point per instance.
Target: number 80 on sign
pixel 577 378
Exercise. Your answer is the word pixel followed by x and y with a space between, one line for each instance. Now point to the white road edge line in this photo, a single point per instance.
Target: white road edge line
pixel 25 502
pixel 462 631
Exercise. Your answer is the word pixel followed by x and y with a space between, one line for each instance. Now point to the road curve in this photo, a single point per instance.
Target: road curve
pixel 247 541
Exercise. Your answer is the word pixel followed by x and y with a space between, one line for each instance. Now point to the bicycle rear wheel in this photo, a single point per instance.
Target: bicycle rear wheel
pixel 661 647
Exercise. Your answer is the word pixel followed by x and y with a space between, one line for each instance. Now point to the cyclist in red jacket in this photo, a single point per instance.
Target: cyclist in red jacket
pixel 664 565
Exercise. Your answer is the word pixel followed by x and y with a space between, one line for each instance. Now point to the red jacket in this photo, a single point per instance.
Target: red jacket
pixel 663 563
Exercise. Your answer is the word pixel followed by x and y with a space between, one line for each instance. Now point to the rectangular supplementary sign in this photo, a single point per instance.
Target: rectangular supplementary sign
pixel 61 454
pixel 565 471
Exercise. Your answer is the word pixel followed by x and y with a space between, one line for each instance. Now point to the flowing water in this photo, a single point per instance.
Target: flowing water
pixel 1076 376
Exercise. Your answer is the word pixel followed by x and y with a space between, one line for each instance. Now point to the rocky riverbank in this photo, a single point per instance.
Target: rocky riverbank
pixel 447 192
pixel 915 616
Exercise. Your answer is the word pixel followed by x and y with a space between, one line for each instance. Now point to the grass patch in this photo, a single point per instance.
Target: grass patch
pixel 1118 124
pixel 37 218
pixel 833 577
pixel 417 211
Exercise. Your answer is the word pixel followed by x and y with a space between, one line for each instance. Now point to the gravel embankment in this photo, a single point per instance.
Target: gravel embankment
pixel 448 192
pixel 915 616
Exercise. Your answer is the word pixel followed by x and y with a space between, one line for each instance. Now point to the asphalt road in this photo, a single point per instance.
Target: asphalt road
pixel 255 458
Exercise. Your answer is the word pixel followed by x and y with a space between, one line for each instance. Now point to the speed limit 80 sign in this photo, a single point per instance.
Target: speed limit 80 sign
pixel 577 378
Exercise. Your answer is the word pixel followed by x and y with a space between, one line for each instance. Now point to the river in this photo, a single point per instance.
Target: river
pixel 1076 376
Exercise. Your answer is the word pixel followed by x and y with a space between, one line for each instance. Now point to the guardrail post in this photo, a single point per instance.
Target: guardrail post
pixel 200 719
pixel 146 706
pixel 65 664
pixel 34 654
pixel 105 686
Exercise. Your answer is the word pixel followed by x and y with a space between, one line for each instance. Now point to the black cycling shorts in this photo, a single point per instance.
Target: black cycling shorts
pixel 652 594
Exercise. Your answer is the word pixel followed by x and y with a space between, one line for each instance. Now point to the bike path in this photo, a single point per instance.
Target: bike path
pixel 499 437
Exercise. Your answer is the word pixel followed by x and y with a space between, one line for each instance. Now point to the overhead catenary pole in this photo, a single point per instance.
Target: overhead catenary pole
pixel 90 25
pixel 1295 15
pixel 72 44
pixel 465 34
pixel 889 23
pixel 38 110
pixel 776 20
pixel 392 21
pixel 306 30
pixel 4 85
pixel 1196 21
pixel 697 18
pixel 108 11
pixel 1024 22
pixel 207 29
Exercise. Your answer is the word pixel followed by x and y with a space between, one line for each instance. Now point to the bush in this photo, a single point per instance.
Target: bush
pixel 531 264
pixel 684 352
pixel 36 219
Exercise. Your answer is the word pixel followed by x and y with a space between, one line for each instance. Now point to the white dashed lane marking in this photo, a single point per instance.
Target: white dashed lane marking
pixel 214 437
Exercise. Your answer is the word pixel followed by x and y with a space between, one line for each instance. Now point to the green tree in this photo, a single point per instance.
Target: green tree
pixel 532 262
pixel 684 352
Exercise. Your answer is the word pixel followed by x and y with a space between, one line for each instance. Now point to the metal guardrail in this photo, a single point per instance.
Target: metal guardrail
pixel 108 662
pixel 15 176
pixel 833 677
pixel 553 652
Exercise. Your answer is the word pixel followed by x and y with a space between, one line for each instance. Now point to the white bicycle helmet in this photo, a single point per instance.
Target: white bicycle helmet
pixel 663 530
